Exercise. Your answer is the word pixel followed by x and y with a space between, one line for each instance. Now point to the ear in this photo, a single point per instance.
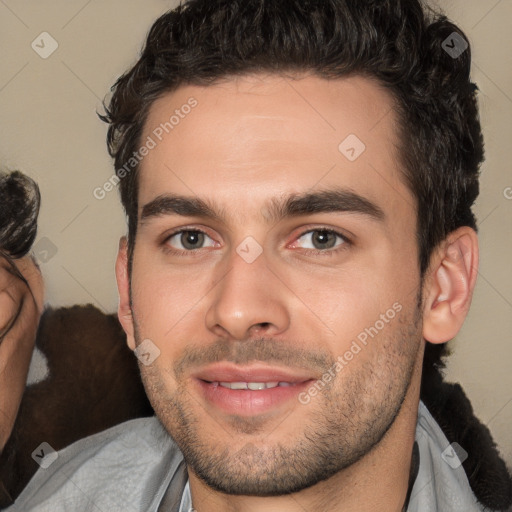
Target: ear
pixel 449 288
pixel 123 285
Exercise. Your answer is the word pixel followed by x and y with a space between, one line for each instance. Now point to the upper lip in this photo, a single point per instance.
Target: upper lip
pixel 225 372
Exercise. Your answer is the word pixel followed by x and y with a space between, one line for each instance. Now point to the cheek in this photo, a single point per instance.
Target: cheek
pixel 166 299
pixel 347 306
pixel 352 298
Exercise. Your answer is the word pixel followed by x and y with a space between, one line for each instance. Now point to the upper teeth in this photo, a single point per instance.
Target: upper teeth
pixel 254 386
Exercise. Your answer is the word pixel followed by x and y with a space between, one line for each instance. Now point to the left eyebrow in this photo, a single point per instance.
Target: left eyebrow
pixel 294 205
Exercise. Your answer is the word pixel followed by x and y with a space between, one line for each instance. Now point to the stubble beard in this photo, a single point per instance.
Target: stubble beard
pixel 342 424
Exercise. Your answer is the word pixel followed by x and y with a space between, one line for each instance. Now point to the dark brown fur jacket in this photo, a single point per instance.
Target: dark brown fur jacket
pixel 94 383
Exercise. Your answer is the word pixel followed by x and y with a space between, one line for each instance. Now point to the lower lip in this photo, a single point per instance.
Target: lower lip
pixel 245 402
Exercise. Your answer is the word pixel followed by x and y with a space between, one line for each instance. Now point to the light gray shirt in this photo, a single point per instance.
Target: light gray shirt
pixel 136 467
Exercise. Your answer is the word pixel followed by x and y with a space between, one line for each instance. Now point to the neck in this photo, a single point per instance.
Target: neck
pixel 378 481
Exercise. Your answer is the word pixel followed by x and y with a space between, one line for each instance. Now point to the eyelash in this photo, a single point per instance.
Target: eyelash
pixel 316 252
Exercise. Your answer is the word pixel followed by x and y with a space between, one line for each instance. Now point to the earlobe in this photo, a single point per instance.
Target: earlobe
pixel 450 287
pixel 123 285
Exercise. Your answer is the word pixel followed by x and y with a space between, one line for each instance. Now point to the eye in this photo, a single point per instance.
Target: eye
pixel 322 239
pixel 189 240
pixel 325 241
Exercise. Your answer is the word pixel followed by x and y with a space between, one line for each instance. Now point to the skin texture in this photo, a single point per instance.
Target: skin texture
pixel 299 305
pixel 20 310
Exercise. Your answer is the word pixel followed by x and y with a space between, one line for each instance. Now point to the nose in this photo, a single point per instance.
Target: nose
pixel 250 300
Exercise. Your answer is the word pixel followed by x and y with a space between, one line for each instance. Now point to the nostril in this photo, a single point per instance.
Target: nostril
pixel 259 328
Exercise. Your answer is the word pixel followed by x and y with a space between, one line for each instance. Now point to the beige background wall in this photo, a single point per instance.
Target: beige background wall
pixel 49 129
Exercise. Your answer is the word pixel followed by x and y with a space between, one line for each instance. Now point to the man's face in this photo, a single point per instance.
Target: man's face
pixel 316 301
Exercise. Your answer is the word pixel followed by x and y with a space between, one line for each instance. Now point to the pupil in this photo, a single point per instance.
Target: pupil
pixel 191 238
pixel 322 237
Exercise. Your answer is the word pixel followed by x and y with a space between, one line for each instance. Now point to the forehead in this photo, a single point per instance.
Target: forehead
pixel 267 134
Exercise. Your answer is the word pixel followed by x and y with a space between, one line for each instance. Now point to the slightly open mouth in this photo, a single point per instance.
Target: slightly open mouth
pixel 249 398
pixel 253 386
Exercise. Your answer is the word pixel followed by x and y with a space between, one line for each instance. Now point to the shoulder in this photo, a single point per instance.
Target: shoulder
pixel 118 469
pixel 441 483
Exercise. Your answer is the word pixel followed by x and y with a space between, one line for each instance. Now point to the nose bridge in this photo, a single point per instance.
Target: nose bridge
pixel 248 296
